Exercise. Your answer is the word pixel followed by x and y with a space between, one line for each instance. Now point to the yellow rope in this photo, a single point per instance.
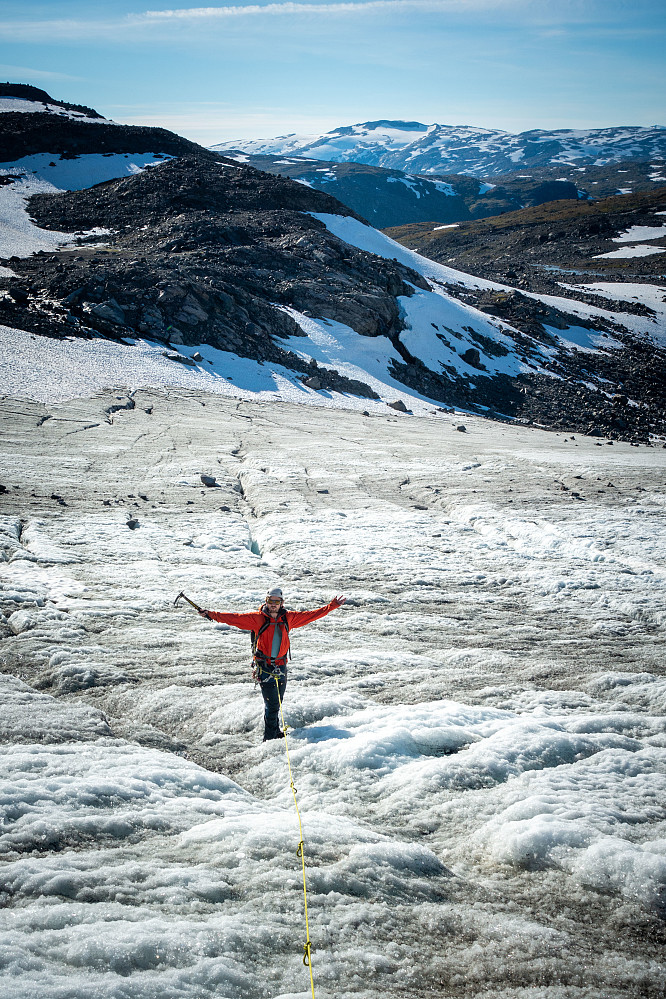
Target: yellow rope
pixel 300 852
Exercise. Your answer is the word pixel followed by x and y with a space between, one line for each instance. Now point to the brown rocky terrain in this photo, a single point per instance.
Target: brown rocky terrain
pixel 538 248
pixel 605 181
pixel 511 192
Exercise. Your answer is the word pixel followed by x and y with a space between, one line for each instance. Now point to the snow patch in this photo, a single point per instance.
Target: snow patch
pixel 20 104
pixel 629 251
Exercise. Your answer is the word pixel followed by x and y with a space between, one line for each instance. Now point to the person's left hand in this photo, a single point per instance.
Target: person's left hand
pixel 338 601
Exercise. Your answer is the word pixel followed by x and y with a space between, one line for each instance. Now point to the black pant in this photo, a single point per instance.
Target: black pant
pixel 269 690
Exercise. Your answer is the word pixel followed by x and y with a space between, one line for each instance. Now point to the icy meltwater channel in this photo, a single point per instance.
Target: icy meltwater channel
pixel 478 737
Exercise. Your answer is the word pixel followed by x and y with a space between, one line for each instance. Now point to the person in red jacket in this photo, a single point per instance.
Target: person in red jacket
pixel 271 625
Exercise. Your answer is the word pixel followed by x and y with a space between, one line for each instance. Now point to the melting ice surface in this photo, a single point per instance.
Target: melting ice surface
pixel 478 737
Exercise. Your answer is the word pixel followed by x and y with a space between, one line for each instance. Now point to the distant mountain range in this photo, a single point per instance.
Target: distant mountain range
pixel 390 198
pixel 462 149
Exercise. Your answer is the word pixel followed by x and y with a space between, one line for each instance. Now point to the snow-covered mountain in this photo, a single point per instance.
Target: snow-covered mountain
pixel 479 152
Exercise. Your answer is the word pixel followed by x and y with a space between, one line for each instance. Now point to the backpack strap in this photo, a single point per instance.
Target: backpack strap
pixel 281 619
pixel 256 635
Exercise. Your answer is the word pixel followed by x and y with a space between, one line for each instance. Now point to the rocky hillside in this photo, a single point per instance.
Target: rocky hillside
pixel 201 251
pixel 537 249
pixel 32 122
pixel 481 152
pixel 206 251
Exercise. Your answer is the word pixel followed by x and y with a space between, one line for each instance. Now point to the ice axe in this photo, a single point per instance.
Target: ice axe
pixel 190 602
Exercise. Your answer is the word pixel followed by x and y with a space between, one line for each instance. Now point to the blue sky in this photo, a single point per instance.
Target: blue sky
pixel 264 69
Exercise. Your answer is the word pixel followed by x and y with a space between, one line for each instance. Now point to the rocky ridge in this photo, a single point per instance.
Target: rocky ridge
pixel 72 130
pixel 26 92
pixel 217 248
pixel 539 249
pixel 23 134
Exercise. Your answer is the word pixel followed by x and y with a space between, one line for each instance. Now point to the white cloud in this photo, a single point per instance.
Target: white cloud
pixel 34 74
pixel 71 29
pixel 290 9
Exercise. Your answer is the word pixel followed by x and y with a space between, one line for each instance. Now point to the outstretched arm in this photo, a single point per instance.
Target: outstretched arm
pixel 246 622
pixel 297 619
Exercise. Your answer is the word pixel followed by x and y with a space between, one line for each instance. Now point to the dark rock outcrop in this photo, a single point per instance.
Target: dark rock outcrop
pixel 205 251
pixel 26 92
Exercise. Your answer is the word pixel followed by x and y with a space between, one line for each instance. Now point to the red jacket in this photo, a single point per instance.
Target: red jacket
pixel 253 622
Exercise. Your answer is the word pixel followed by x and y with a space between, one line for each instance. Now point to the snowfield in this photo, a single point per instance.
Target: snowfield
pixel 630 251
pixel 20 104
pixel 74 367
pixel 478 737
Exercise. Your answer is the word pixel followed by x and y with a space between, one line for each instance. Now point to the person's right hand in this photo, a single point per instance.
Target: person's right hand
pixel 204 613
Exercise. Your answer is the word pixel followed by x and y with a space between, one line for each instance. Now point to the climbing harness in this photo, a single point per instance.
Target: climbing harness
pixel 261 663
